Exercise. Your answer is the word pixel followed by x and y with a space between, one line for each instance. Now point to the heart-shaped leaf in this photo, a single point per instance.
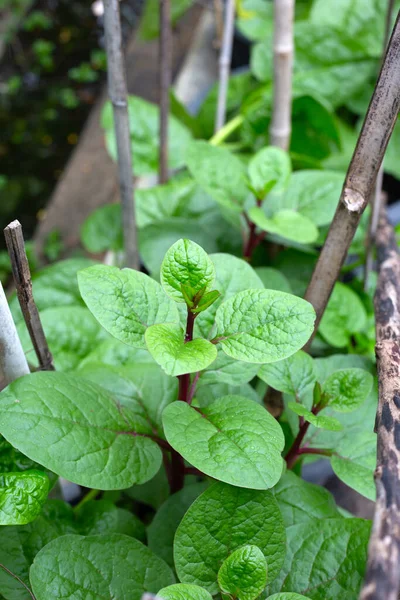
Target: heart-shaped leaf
pixel 244 573
pixel 22 496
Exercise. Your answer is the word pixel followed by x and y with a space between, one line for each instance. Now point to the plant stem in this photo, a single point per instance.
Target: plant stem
pixel 118 95
pixel 360 179
pixel 321 451
pixel 177 472
pixel 226 130
pixel 225 63
pixel 91 495
pixel 19 581
pixel 165 56
pixel 192 388
pixel 280 128
pixel 294 451
pixel 13 363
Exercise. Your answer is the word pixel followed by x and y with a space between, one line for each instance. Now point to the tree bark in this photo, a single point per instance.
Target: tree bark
pixel 13 363
pixel 382 577
pixel 165 84
pixel 117 91
pixel 225 64
pixel 281 122
pixel 360 179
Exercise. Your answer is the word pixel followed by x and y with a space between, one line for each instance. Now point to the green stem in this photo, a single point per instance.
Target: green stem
pixel 226 130
pixel 91 495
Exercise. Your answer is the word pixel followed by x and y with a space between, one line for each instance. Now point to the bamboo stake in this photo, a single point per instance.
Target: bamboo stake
pixel 13 363
pixel 23 283
pixel 165 83
pixel 118 95
pixel 360 179
pixel 281 122
pixel 382 576
pixel 225 64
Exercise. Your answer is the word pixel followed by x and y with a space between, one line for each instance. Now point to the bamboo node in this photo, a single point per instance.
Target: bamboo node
pixel 353 200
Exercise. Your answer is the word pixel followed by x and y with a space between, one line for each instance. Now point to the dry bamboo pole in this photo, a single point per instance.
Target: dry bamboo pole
pixel 281 122
pixel 23 283
pixel 13 363
pixel 225 58
pixel 165 58
pixel 382 576
pixel 360 179
pixel 117 91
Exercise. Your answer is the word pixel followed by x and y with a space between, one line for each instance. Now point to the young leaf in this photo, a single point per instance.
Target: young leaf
pixel 324 559
pixel 76 429
pixel 329 423
pixel 186 264
pixel 22 496
pixel 125 302
pixel 346 390
pixel 263 326
pixel 182 591
pixel 291 375
pixel 344 315
pixel 233 440
pixel 285 223
pixel 270 167
pixel 206 301
pixel 244 573
pixel 116 565
pixel 354 462
pixel 221 520
pixel 167 346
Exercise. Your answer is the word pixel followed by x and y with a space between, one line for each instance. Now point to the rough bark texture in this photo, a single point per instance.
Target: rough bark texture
pixel 23 283
pixel 225 63
pixel 281 123
pixel 382 577
pixel 360 179
pixel 165 84
pixel 118 94
pixel 13 363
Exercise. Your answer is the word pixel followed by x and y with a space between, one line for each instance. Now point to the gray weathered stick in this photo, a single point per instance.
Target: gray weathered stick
pixel 23 283
pixel 225 64
pixel 165 83
pixel 118 95
pixel 382 576
pixel 361 176
pixel 13 363
pixel 281 122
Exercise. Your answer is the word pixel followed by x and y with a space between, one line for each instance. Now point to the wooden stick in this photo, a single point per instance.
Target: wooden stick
pixel 219 23
pixel 165 59
pixel 117 91
pixel 13 363
pixel 360 179
pixel 281 122
pixel 23 283
pixel 382 576
pixel 225 64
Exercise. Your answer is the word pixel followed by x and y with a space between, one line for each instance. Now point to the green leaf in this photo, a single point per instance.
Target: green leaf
pixel 208 393
pixel 325 559
pixel 287 596
pixel 102 230
pixel 161 531
pixel 354 463
pixel 263 326
pixel 329 423
pixel 125 302
pixel 233 440
pixel 115 565
pixel 273 279
pixel 102 516
pixel 76 429
pixel 221 520
pixel 143 125
pixel 292 375
pixel 150 21
pixel 344 315
pixel 255 19
pixel 117 354
pixel 186 264
pixel 302 502
pixel 225 369
pixel 346 390
pixel 220 173
pixel 182 591
pixel 270 167
pixel 244 573
pixel 166 343
pixel 285 223
pixel 153 493
pixel 22 496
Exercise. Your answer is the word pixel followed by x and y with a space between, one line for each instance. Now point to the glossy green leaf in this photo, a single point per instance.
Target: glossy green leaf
pixel 22 496
pixel 244 573
pixel 273 279
pixel 343 316
pixel 325 367
pixel 182 591
pixel 102 516
pixel 221 520
pixel 322 421
pixel 233 440
pixel 161 531
pixel 220 173
pixel 263 326
pixel 225 369
pixel 347 389
pixel 76 429
pixel 186 264
pixel 325 559
pixel 167 346
pixel 209 392
pixel 116 565
pixel 102 230
pixel 354 462
pixel 125 302
pixel 292 375
pixel 285 223
pixel 269 168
